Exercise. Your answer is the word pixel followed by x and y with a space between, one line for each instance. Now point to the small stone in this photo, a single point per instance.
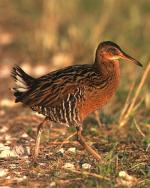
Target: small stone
pixel 73 150
pixel 122 174
pixel 125 175
pixel 86 166
pixel 52 184
pixel 3 172
pixel 42 164
pixel 126 180
pixel 61 150
pixel 69 165
pixel 24 135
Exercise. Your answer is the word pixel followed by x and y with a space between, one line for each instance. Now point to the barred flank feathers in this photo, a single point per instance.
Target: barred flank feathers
pixel 23 82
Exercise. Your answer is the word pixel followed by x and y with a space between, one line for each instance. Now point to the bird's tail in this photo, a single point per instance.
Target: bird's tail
pixel 23 83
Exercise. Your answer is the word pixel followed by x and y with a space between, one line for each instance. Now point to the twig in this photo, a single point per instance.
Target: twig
pixel 68 138
pixel 64 142
pixel 88 174
pixel 147 148
pixel 138 128
pixel 63 182
pixel 138 104
pixel 126 105
pixel 130 109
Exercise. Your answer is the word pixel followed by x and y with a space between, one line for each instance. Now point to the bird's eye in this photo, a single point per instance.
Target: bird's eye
pixel 112 51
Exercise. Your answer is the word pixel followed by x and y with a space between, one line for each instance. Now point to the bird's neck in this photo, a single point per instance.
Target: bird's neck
pixel 107 68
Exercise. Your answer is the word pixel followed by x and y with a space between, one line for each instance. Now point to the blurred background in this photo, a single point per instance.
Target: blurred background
pixel 44 35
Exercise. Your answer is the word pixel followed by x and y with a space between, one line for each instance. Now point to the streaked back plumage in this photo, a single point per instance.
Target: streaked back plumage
pixel 60 95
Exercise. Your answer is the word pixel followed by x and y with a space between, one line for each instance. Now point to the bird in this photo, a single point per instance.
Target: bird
pixel 68 95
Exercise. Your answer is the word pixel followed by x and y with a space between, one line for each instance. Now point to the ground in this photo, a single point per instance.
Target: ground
pixel 125 151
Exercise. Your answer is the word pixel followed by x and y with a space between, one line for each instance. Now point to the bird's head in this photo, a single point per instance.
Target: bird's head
pixel 110 51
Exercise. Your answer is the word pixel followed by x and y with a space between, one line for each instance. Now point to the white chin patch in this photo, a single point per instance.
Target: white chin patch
pixel 114 57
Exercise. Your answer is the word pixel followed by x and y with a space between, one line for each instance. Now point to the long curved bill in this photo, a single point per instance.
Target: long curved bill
pixel 131 59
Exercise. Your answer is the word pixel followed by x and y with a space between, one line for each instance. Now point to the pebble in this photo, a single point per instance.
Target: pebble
pixel 86 166
pixel 125 175
pixel 61 150
pixel 122 174
pixel 69 165
pixel 52 184
pixel 24 135
pixel 126 180
pixel 3 172
pixel 73 150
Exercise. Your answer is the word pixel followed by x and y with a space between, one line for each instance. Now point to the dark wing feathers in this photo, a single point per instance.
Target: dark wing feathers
pixel 53 88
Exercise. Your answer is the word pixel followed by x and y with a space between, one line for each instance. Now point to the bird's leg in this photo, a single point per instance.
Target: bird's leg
pixel 86 146
pixel 37 143
pixel 96 113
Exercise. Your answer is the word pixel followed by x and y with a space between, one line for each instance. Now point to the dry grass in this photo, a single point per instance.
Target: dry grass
pixel 131 106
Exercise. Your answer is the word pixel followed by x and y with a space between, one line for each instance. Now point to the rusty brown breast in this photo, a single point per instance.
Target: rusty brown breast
pixel 98 95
